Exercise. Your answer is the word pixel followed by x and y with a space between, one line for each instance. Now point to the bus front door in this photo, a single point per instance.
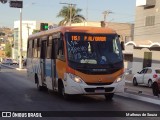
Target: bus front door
pixel 54 57
pixel 42 61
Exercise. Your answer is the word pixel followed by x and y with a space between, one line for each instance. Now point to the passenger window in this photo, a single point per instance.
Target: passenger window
pixel 49 48
pixel 60 52
pixel 143 71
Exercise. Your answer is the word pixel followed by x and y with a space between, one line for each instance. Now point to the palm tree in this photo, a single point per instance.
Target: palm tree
pixel 75 16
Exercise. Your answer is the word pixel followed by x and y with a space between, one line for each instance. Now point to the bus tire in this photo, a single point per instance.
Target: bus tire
pixel 61 90
pixel 40 88
pixel 109 96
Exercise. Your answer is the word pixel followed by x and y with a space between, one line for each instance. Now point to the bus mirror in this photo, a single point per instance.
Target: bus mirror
pixel 122 45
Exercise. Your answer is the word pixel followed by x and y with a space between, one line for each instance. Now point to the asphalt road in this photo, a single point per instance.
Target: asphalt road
pixel 19 94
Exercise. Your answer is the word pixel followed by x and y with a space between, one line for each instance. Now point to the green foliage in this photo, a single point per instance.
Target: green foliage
pixel 35 31
pixel 8 50
pixel 65 14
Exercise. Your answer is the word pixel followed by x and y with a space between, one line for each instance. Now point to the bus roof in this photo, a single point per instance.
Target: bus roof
pixel 83 29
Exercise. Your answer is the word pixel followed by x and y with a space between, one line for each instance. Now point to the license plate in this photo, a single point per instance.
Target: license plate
pixel 99 91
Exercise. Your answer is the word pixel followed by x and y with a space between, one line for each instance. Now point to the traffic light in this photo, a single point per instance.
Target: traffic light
pixel 16 4
pixel 43 26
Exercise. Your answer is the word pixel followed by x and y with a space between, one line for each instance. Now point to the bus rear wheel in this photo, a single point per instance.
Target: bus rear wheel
pixel 109 96
pixel 40 88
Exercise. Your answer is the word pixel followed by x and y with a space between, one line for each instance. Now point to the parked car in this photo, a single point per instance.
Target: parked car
pixel 7 61
pixel 146 76
pixel 156 87
pixel 15 62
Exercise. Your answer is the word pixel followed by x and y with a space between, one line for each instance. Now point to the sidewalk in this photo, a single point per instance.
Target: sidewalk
pixel 139 93
pixel 14 67
pixel 142 93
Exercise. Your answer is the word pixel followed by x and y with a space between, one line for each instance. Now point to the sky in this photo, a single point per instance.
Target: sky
pixel 47 10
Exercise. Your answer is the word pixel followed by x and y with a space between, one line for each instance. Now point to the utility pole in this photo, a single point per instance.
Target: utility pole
pixel 70 12
pixel 28 29
pixel 20 41
pixel 106 13
pixel 19 4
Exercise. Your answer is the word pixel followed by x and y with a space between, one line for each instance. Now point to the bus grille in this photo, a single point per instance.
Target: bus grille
pixel 109 89
pixel 109 83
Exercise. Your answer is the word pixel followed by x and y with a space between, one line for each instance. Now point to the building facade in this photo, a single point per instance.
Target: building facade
pixel 27 29
pixel 147 20
pixel 146 35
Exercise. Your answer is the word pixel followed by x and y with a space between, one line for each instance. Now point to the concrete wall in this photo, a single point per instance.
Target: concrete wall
pixel 156 59
pixel 138 56
pixel 142 32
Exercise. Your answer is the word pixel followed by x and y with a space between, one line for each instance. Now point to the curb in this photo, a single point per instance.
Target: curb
pixel 141 97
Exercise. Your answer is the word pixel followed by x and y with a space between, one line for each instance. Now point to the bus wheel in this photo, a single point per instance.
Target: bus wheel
pixel 61 91
pixel 109 96
pixel 40 88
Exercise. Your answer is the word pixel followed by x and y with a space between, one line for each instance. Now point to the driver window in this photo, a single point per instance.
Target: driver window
pixel 143 71
pixel 60 52
pixel 115 47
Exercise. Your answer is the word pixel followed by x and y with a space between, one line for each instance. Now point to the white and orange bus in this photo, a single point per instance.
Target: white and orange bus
pixel 76 61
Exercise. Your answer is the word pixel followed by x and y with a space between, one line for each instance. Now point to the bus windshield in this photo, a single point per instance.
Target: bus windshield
pixel 99 49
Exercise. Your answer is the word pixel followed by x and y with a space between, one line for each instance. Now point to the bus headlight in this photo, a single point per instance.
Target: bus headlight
pixel 120 78
pixel 75 78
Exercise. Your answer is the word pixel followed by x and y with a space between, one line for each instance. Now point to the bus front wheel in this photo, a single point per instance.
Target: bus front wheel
pixel 61 91
pixel 109 96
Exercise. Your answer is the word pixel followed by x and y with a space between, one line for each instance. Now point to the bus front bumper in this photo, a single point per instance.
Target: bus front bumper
pixel 73 88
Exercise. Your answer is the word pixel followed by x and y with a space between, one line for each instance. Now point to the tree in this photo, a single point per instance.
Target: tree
pixel 65 14
pixel 35 31
pixel 8 50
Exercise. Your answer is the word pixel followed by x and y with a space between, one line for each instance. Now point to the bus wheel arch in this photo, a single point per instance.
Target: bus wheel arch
pixel 40 88
pixel 61 89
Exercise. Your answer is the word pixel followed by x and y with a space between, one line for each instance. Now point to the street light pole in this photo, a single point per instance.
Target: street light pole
pixel 20 41
pixel 106 13
pixel 19 4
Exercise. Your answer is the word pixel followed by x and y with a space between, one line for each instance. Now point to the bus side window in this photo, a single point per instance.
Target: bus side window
pixel 35 53
pixel 49 48
pixel 38 47
pixel 54 49
pixel 29 54
pixel 60 49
